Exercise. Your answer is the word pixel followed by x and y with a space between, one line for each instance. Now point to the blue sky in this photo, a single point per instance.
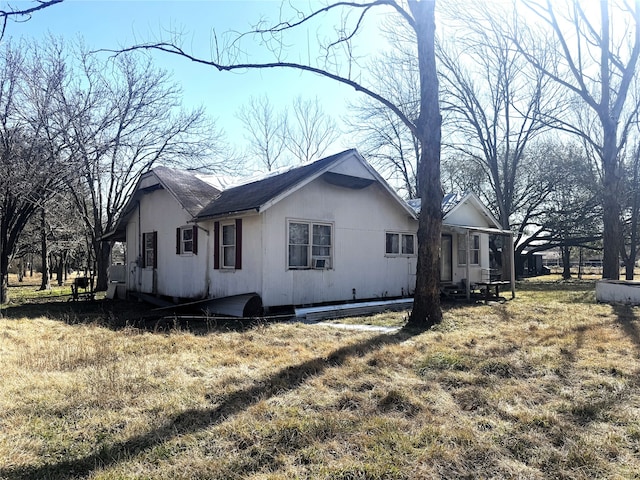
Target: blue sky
pixel 118 23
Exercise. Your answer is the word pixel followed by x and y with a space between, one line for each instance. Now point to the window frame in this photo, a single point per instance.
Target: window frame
pixel 312 245
pixel 153 248
pixel 474 251
pixel 218 247
pixel 224 246
pixel 182 240
pixel 400 244
pixel 186 230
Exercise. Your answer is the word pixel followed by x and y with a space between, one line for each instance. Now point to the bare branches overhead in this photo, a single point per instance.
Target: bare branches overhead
pixel 10 12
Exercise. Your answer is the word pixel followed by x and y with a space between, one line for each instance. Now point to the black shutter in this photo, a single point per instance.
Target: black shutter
pixel 143 254
pixel 178 240
pixel 155 249
pixel 238 243
pixel 216 245
pixel 195 239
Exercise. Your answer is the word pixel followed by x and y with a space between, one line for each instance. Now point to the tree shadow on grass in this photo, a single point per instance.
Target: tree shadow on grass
pixel 195 420
pixel 628 321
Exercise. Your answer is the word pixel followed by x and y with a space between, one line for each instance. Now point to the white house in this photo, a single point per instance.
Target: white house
pixel 328 231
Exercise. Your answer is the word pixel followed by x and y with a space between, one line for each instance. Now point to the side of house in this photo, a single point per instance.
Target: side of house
pixel 329 231
pixel 166 253
pixel 321 240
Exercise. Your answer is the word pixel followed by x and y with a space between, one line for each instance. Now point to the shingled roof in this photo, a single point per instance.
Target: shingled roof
pixel 192 193
pixel 251 196
pixel 449 201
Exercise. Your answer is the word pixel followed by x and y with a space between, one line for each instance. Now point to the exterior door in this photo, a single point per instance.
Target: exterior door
pixel 446 258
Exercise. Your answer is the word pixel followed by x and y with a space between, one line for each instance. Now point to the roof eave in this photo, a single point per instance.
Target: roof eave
pixel 245 211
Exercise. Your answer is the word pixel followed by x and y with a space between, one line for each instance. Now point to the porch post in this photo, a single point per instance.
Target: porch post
pixel 512 266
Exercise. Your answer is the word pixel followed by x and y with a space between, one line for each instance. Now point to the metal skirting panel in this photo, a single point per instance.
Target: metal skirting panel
pixel 316 314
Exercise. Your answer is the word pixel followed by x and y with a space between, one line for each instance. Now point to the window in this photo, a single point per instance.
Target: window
pixel 298 245
pixel 150 246
pixel 474 251
pixel 400 244
pixel 187 240
pixel 228 246
pixel 407 244
pixel 309 245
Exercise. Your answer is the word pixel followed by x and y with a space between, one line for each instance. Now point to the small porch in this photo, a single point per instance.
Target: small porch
pixel 467 270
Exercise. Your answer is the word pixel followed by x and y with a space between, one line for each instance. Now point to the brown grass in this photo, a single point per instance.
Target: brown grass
pixel 545 386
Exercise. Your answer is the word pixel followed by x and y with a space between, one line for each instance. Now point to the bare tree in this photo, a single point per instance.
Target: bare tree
pixel 123 119
pixel 596 65
pixel 631 211
pixel 306 134
pixel 31 166
pixel 311 131
pixel 569 214
pixel 387 142
pixel 496 104
pixel 419 16
pixel 265 131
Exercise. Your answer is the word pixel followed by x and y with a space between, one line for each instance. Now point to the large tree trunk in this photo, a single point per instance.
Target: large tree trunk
pixel 611 205
pixel 45 284
pixel 630 260
pixel 566 262
pixel 60 269
pixel 103 257
pixel 4 276
pixel 426 305
pixel 4 262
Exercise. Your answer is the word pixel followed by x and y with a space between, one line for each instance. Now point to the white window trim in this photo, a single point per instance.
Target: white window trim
pixel 463 261
pixel 183 229
pixel 311 258
pixel 400 244
pixel 145 249
pixel 223 266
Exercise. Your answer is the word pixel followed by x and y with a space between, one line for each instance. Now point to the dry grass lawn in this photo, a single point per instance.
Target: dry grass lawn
pixel 544 386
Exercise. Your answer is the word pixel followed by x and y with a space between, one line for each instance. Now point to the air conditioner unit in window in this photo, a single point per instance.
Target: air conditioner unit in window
pixel 320 263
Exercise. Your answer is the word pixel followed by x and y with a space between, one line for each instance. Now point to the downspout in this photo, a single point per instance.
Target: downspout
pixel 468 268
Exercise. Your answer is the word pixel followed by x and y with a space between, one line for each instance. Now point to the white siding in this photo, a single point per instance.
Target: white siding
pixel 467 214
pixel 352 168
pixel 360 219
pixel 248 279
pixel 475 271
pixel 176 275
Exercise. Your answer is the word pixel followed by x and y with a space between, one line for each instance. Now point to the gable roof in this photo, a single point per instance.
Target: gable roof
pixel 453 201
pixel 449 201
pixel 470 197
pixel 260 194
pixel 189 191
pixel 192 193
pixel 203 201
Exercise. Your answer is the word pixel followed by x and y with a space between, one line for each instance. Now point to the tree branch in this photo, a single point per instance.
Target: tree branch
pixel 175 50
pixel 5 15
